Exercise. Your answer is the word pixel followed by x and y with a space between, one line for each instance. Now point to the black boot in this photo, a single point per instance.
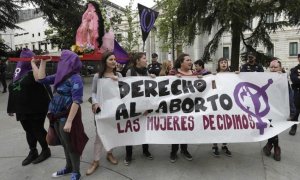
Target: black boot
pixel 277 153
pixel 45 154
pixel 33 154
pixel 267 149
pixel 293 130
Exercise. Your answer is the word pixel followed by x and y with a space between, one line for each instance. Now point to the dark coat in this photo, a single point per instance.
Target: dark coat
pixel 28 97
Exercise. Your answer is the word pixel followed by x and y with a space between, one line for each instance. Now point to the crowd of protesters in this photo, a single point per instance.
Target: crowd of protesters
pixel 64 112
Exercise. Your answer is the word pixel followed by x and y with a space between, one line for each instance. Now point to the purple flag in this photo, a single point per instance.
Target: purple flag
pixel 147 20
pixel 120 53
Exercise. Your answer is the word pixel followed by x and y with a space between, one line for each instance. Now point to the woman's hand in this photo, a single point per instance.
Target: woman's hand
pixel 33 60
pixel 152 75
pixel 95 107
pixel 145 113
pixel 71 116
pixel 47 60
pixel 67 127
pixel 35 69
pixel 41 74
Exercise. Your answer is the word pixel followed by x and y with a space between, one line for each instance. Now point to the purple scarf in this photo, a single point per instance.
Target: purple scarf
pixel 203 71
pixel 23 68
pixel 68 64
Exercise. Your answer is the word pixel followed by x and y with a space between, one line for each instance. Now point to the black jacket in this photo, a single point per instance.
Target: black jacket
pixel 295 72
pixel 26 96
pixel 252 68
pixel 154 68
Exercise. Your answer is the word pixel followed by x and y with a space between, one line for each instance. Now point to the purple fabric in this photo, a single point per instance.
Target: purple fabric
pixel 23 68
pixel 121 55
pixel 77 89
pixel 49 80
pixel 202 72
pixel 69 63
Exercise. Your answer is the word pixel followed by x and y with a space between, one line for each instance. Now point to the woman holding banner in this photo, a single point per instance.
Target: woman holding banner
pixel 222 67
pixel 275 66
pixel 138 68
pixel 64 109
pixel 108 66
pixel 182 67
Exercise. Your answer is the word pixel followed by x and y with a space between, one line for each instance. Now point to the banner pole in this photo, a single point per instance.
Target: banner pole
pixel 143 46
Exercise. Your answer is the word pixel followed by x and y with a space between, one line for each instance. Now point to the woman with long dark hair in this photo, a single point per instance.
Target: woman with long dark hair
pixel 107 69
pixel 182 67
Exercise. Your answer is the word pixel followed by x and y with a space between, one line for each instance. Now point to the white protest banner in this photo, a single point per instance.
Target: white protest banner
pixel 222 108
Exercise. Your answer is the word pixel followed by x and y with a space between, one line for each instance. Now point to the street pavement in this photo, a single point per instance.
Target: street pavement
pixel 247 161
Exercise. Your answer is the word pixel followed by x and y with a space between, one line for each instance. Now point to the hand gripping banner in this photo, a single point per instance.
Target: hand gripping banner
pixel 222 108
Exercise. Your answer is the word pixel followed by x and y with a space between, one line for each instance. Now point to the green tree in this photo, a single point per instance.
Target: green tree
pixel 131 40
pixel 115 20
pixel 233 16
pixel 292 9
pixel 8 14
pixel 169 31
pixel 3 48
pixel 8 18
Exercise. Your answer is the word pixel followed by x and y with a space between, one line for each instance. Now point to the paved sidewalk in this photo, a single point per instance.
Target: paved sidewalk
pixel 247 162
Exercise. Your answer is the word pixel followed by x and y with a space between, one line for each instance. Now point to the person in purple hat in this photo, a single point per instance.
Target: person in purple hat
pixel 25 89
pixel 64 109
